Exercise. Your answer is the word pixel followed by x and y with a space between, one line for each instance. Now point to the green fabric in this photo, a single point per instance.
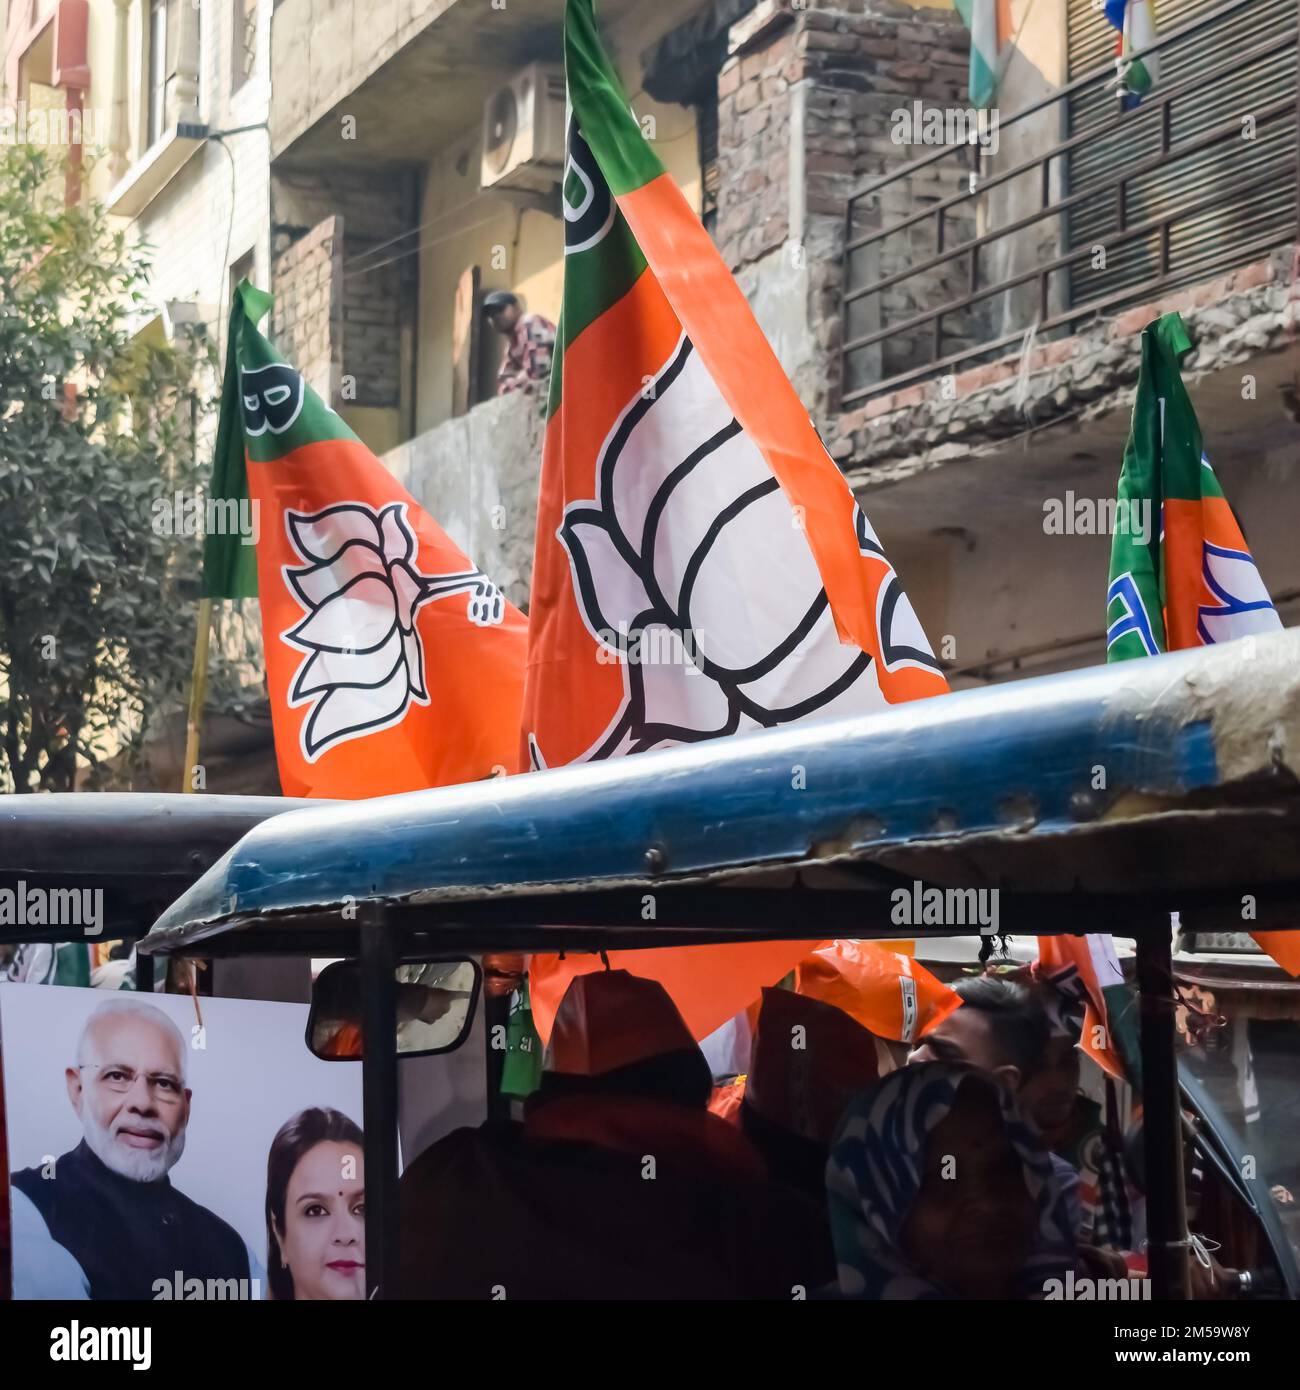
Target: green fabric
pixel 980 18
pixel 316 422
pixel 522 1073
pixel 601 107
pixel 1121 1003
pixel 595 279
pixel 229 566
pixel 1163 458
pixel 71 964
pixel 1137 79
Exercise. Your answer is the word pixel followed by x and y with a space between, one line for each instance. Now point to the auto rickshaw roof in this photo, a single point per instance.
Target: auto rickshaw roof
pixel 1092 800
pixel 142 849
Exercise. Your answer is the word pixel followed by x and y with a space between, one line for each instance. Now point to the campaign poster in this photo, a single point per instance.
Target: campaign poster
pixel 154 1154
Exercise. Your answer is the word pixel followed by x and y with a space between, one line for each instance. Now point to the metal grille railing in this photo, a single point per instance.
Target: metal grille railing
pixel 986 246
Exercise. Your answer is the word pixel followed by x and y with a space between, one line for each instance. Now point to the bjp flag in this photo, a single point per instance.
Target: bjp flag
pixel 1086 969
pixel 1186 578
pixel 393 663
pixel 702 567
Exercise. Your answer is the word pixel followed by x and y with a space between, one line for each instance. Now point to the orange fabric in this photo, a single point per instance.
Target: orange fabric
pixel 345 1043
pixel 726 1100
pixel 1283 946
pixel 708 984
pixel 1057 952
pixel 713 310
pixel 610 1020
pixel 1106 1057
pixel 611 359
pixel 888 993
pixel 1005 24
pixel 504 973
pixel 468 727
pixel 1189 523
pixel 687 287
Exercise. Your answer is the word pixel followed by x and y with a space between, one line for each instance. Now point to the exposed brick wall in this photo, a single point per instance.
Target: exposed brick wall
pixel 754 148
pixel 307 326
pixel 376 305
pixel 838 76
pixel 375 284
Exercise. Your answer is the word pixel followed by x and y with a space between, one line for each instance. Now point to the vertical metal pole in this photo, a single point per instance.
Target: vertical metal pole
pixel 198 690
pixel 379 1098
pixel 1162 1117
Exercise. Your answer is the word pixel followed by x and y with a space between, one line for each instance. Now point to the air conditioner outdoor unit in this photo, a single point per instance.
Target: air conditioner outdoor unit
pixel 523 131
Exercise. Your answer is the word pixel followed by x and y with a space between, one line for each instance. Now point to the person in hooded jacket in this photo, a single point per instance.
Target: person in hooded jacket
pixel 620 1183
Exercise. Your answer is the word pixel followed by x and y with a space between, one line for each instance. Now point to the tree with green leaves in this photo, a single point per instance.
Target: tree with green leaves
pixel 100 426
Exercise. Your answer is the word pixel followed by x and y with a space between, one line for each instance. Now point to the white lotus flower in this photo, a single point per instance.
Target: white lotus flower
pixel 362 590
pixel 691 534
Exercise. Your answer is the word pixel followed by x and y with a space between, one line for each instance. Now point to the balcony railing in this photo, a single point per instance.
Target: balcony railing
pixel 961 256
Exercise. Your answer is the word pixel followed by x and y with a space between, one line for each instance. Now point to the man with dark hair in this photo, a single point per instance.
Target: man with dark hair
pixel 1004 1028
pixel 530 341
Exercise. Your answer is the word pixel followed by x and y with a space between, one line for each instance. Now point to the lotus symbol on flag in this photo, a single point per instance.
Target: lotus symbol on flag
pixel 1242 603
pixel 362 591
pixel 691 537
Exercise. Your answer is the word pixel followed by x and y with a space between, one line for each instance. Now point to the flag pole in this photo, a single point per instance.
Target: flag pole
pixel 198 691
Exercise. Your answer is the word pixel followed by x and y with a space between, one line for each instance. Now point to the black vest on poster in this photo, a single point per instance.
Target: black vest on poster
pixel 126 1234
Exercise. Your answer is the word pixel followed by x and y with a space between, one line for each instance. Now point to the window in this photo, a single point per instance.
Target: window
pixel 243 47
pixel 157 89
pixel 242 269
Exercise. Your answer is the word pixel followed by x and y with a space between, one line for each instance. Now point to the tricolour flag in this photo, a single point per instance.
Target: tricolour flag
pixel 1137 30
pixel 1186 579
pixel 702 567
pixel 392 662
pixel 1087 969
pixel 984 20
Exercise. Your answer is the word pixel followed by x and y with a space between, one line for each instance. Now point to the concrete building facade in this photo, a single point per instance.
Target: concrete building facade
pixel 961 316
pixel 175 99
pixel 1025 409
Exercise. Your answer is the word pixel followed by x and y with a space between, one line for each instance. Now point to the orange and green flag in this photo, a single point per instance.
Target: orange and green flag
pixel 702 567
pixel 392 662
pixel 1186 578
pixel 1085 971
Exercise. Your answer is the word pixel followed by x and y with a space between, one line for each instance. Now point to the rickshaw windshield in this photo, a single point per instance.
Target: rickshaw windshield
pixel 1248 1067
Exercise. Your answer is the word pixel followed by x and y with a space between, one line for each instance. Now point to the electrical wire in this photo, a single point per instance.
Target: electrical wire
pixel 224 268
pixel 412 231
pixel 423 246
pixel 218 138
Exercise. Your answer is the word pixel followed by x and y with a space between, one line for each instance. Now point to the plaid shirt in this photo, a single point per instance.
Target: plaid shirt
pixel 528 354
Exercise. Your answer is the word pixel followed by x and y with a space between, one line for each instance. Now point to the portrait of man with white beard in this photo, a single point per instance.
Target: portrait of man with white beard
pixel 104 1220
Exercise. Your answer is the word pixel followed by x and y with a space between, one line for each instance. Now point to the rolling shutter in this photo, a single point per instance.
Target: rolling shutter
pixel 1241 222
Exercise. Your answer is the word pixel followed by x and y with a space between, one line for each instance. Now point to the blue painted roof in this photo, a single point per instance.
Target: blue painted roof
pixel 970 787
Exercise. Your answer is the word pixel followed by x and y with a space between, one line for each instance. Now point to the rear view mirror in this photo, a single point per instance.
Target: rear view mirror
pixel 435 1003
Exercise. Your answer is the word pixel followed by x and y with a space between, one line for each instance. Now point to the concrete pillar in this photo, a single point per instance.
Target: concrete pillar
pixel 119 136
